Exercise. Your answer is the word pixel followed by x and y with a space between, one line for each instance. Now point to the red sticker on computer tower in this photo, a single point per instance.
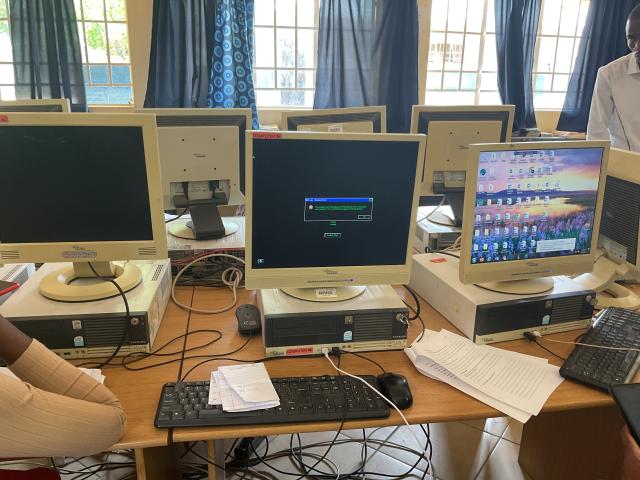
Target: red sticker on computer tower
pixel 267 135
pixel 4 119
pixel 438 260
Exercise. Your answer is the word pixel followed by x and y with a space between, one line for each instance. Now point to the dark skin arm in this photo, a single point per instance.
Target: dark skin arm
pixel 13 342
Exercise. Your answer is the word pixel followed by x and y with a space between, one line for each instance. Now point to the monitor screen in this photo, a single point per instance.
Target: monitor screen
pixel 532 204
pixel 321 203
pixel 73 184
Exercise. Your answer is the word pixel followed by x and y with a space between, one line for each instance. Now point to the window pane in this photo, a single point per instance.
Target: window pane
pixel 96 42
pixel 582 18
pixel 120 95
pixel 116 10
pixel 3 9
pixel 285 13
pixel 563 57
pixel 121 74
pixel 451 81
pixel 265 79
pixel 268 98
pixel 474 15
pixel 490 57
pixel 6 54
pixel 285 79
pixel 490 98
pixel 546 54
pixel 453 52
pixel 306 13
pixel 455 20
pixel 491 17
pixel 434 79
pixel 560 83
pixel 306 48
pixel 286 47
pixel 548 100
pixel 569 20
pixel 439 15
pixel 450 98
pixel 93 9
pixel 436 51
pixel 292 97
pixel 263 12
pixel 489 81
pixel 550 17
pixel 82 45
pixel 99 74
pixel 542 83
pixel 305 79
pixel 118 42
pixel 8 93
pixel 6 74
pixel 468 81
pixel 471 52
pixel 264 47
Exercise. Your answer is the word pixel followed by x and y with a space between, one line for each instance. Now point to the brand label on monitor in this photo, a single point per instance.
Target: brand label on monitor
pixel 73 254
pixel 337 128
pixel 267 135
pixel 326 293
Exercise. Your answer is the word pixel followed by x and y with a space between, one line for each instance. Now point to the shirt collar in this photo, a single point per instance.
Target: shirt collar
pixel 632 66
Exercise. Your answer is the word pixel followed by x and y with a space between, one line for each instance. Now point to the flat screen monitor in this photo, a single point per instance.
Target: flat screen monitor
pixel 330 210
pixel 533 211
pixel 450 130
pixel 337 120
pixel 81 187
pixel 202 163
pixel 59 105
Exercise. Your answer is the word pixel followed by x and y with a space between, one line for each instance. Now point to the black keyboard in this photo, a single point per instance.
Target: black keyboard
pixel 302 399
pixel 601 368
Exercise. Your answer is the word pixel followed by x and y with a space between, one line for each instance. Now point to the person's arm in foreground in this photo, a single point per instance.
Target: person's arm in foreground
pixel 54 409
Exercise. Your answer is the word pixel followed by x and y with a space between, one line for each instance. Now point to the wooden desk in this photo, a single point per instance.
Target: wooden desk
pixel 576 423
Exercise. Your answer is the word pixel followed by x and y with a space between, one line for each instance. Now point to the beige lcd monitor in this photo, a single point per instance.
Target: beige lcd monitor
pixel 337 120
pixel 80 188
pixel 532 211
pixel 202 163
pixel 330 210
pixel 450 130
pixel 60 105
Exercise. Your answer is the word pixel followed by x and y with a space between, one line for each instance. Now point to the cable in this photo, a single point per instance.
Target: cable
pixel 231 277
pixel 444 198
pixel 415 299
pixel 184 343
pixel 537 334
pixel 177 216
pixel 365 358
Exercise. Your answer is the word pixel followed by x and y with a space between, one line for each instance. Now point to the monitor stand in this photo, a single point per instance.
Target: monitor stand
pixel 59 284
pixel 456 202
pixel 530 286
pixel 206 222
pixel 603 279
pixel 325 294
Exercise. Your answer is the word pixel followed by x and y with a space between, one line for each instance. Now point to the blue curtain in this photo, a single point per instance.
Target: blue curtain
pixel 516 28
pixel 368 55
pixel 47 60
pixel 603 40
pixel 231 82
pixel 180 58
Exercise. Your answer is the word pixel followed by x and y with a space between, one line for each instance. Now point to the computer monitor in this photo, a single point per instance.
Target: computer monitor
pixel 330 210
pixel 450 130
pixel 60 105
pixel 202 163
pixel 337 120
pixel 532 212
pixel 81 187
pixel 618 244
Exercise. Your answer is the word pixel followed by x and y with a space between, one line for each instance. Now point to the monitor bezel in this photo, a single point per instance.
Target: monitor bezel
pixel 292 119
pixel 329 275
pixel 63 103
pixel 531 268
pixel 107 250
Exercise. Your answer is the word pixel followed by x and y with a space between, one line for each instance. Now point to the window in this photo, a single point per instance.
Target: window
pixel 7 90
pixel 462 64
pixel 104 40
pixel 286 38
pixel 559 30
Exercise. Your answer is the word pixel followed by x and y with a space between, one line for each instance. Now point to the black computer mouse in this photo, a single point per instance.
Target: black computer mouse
pixel 248 317
pixel 396 388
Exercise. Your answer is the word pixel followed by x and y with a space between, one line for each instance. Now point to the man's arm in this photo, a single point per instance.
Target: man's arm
pixel 601 109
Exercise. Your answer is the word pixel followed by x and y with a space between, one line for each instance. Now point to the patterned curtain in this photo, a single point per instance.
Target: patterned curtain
pixel 231 83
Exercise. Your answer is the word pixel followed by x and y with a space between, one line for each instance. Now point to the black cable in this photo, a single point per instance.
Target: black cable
pixel 180 215
pixel 552 353
pixel 186 334
pixel 365 358
pixel 416 300
pixel 215 357
pixel 443 252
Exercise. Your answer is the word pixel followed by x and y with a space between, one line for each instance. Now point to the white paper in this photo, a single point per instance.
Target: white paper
pixel 94 373
pixel 251 382
pixel 521 382
pixel 214 393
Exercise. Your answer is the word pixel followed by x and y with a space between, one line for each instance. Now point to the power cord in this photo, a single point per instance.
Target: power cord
pixel 532 338
pixel 428 216
pixel 537 334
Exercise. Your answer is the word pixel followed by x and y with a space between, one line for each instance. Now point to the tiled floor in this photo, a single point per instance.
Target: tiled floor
pixel 461 450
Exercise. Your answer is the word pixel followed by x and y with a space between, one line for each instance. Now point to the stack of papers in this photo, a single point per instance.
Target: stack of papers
pixel 94 373
pixel 516 384
pixel 241 388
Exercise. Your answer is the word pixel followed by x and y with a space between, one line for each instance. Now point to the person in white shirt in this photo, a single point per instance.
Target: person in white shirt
pixel 615 106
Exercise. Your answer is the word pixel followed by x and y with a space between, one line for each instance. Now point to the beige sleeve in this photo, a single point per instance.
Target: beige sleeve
pixel 55 409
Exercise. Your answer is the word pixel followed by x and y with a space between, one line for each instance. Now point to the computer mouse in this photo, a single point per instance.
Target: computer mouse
pixel 396 388
pixel 248 317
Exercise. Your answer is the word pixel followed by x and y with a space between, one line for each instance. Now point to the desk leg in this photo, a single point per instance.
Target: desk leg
pixel 215 451
pixel 581 444
pixel 158 463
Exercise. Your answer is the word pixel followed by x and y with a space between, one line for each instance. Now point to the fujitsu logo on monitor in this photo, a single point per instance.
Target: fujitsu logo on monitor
pixel 330 272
